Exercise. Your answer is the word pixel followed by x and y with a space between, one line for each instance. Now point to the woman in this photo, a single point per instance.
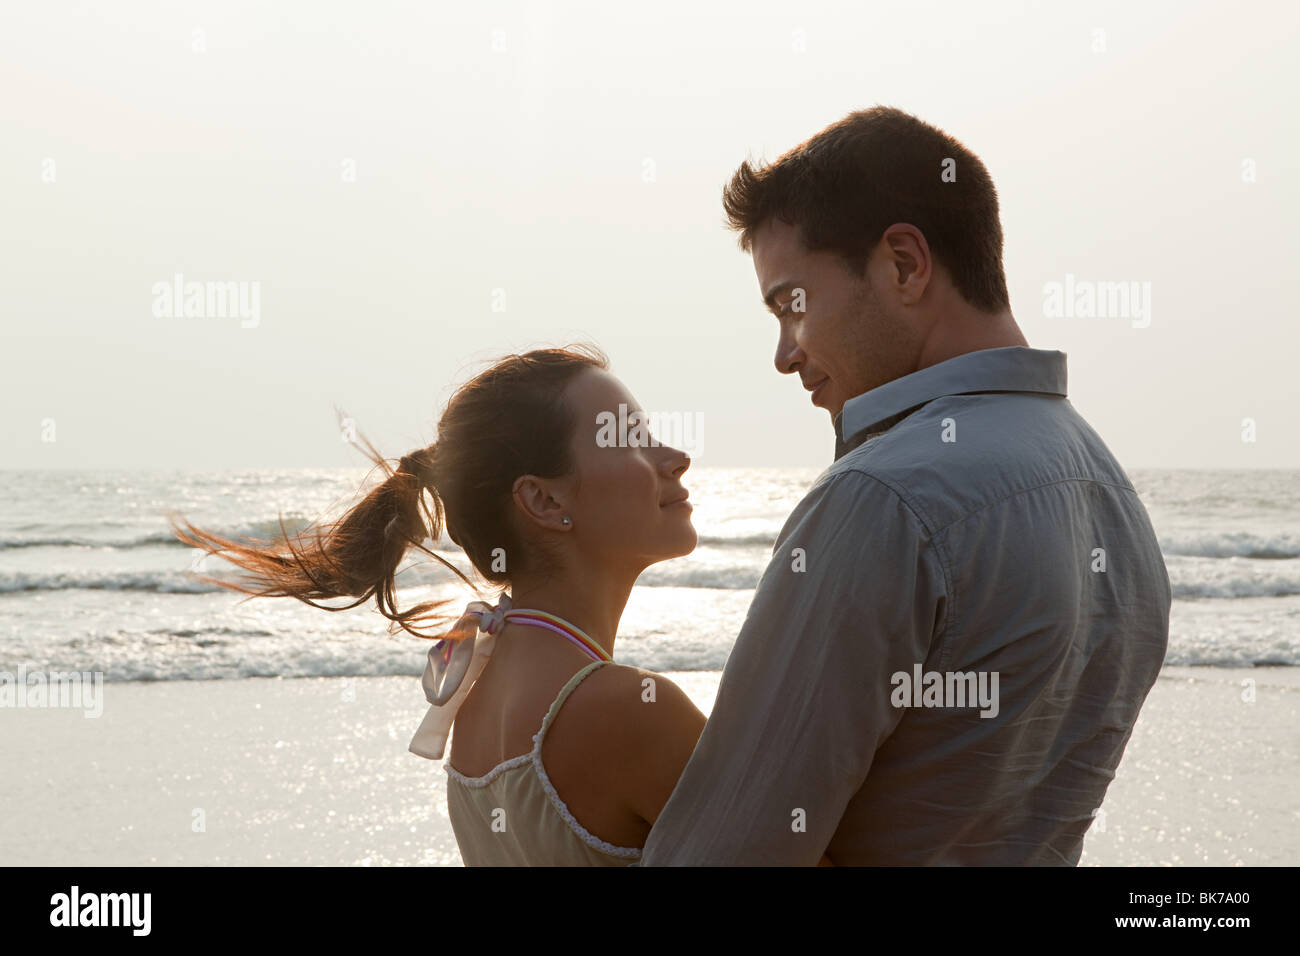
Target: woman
pixel 560 756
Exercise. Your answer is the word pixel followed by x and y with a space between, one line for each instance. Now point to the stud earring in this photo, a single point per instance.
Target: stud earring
pixel 565 520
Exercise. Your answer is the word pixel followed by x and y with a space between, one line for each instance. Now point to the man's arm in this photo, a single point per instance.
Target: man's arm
pixel 854 593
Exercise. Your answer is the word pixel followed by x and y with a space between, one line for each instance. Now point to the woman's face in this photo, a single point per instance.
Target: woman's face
pixel 626 498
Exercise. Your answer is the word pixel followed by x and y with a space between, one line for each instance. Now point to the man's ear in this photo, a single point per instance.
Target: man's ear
pixel 911 265
pixel 535 500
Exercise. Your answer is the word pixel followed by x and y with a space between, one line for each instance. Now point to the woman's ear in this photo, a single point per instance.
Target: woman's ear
pixel 535 500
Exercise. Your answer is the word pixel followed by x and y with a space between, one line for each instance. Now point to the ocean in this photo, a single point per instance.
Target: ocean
pixel 92 580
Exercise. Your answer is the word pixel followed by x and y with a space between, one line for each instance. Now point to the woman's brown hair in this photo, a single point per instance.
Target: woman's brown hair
pixel 508 421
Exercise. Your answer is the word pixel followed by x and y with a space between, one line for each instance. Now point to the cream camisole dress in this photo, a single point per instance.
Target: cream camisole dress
pixel 512 816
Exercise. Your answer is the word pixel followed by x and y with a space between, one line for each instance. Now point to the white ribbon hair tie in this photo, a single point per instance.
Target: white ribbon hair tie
pixel 453 666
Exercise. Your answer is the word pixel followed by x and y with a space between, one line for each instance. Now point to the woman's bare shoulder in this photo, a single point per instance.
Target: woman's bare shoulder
pixel 629 710
pixel 625 689
pixel 640 728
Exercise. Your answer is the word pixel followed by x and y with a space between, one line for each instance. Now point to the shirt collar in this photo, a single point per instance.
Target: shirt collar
pixel 1011 369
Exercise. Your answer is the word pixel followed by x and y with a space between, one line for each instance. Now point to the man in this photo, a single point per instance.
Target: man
pixel 946 655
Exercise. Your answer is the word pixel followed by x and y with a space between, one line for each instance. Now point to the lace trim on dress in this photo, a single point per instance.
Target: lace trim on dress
pixel 535 758
pixel 587 837
pixel 476 783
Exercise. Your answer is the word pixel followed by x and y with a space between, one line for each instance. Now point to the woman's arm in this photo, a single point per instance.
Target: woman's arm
pixel 666 729
pixel 665 726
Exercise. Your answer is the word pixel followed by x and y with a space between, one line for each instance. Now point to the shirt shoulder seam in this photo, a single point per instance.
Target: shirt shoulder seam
pixel 1021 491
pixel 918 513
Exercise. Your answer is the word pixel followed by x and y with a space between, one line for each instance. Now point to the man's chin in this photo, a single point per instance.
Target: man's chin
pixel 823 397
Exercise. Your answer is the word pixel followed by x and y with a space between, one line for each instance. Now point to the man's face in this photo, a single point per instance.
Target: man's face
pixel 847 340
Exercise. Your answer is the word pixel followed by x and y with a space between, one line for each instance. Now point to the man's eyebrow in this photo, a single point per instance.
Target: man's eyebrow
pixel 770 298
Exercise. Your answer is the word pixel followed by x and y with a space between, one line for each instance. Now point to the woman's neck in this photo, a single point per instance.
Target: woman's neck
pixel 592 602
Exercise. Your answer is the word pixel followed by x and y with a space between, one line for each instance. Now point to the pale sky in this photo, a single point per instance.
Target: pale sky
pixel 380 169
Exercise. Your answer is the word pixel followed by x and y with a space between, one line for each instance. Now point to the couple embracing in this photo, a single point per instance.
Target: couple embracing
pixel 972 530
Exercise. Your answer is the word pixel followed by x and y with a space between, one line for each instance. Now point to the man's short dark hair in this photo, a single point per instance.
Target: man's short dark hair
pixel 845 186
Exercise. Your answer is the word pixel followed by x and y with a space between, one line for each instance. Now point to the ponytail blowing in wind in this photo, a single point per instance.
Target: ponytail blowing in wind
pixel 508 421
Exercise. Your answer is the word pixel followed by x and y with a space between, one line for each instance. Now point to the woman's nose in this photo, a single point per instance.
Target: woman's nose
pixel 680 461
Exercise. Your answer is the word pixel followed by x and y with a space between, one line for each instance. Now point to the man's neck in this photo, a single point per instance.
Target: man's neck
pixel 966 329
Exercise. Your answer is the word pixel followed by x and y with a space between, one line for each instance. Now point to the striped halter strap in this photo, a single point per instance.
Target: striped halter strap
pixel 456 661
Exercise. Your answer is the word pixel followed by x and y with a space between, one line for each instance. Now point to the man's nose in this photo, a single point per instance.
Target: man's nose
pixel 789 357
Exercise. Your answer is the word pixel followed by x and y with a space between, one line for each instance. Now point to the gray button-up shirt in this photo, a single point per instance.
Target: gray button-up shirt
pixel 944 660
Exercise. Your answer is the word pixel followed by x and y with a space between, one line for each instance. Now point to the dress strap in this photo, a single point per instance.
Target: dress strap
pixel 561 697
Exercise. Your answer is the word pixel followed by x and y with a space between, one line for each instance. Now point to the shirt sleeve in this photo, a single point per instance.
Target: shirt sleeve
pixel 854 593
